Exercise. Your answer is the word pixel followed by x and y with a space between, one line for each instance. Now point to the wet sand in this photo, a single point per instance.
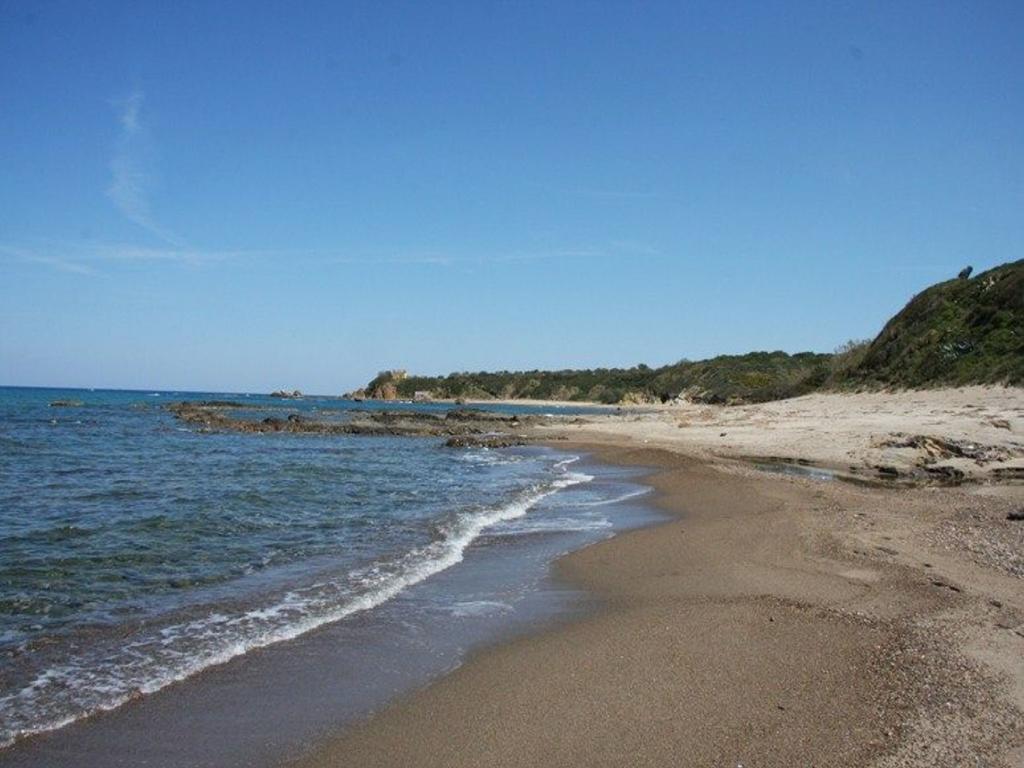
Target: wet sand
pixel 776 621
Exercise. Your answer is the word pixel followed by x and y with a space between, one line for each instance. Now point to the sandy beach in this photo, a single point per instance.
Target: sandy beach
pixel 777 619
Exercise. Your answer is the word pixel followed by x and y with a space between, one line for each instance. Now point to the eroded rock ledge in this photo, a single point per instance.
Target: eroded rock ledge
pixel 464 428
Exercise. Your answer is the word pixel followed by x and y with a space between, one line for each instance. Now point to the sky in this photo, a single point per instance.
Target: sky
pixel 246 196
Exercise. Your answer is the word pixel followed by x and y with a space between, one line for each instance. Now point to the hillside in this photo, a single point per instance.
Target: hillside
pixel 962 331
pixel 754 377
pixel 953 333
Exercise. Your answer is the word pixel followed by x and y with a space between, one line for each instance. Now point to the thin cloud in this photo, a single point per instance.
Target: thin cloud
pixel 55 262
pixel 133 253
pixel 80 258
pixel 130 182
pixel 84 258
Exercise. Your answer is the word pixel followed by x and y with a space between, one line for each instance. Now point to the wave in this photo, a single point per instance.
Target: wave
pixel 115 674
pixel 614 500
pixel 561 465
pixel 489 458
pixel 553 525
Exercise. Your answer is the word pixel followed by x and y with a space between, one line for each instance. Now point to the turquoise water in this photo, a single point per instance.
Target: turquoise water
pixel 135 552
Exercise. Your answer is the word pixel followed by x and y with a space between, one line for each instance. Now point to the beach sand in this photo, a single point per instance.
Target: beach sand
pixel 774 621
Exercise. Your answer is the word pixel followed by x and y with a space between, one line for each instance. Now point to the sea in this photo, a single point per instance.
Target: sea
pixel 139 555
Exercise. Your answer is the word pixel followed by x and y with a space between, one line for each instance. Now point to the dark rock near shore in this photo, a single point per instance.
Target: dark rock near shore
pixel 476 414
pixel 484 441
pixel 465 427
pixel 66 404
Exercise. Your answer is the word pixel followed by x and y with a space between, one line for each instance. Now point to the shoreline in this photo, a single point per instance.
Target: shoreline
pixel 759 626
pixel 777 616
pixel 337 673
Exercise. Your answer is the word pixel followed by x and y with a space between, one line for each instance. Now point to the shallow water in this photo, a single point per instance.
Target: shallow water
pixel 137 553
pixel 797 470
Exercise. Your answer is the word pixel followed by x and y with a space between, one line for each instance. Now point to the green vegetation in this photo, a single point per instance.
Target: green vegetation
pixel 957 332
pixel 954 333
pixel 753 377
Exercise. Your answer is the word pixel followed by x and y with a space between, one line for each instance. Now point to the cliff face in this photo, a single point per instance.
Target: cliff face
pixel 385 385
pixel 386 391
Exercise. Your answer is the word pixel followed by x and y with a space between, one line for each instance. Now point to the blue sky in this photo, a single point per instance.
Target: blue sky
pixel 246 196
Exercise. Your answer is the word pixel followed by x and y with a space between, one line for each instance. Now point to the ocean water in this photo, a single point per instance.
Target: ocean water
pixel 135 552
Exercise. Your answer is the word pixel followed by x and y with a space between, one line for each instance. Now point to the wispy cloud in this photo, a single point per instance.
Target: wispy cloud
pixel 123 252
pixel 84 258
pixel 131 181
pixel 88 258
pixel 56 262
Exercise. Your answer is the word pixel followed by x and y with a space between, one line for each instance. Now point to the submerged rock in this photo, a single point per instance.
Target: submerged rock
pixel 484 441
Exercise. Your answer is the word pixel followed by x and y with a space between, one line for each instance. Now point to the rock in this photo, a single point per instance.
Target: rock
pixel 1008 473
pixel 66 404
pixel 1000 423
pixel 1016 515
pixel 386 391
pixel 887 471
pixel 484 441
pixel 473 427
pixel 946 473
pixel 283 393
pixel 476 414
pixel 936 448
pixel 965 273
pixel 637 398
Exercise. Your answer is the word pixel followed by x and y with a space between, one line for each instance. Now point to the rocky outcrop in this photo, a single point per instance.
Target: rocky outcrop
pixel 934 449
pixel 386 391
pixel 638 398
pixel 463 427
pixel 285 394
pixel 385 385
pixel 484 441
